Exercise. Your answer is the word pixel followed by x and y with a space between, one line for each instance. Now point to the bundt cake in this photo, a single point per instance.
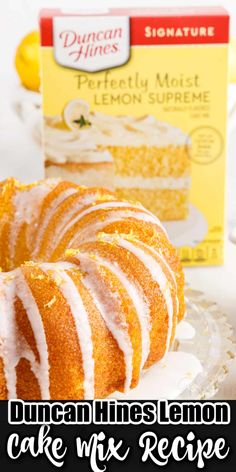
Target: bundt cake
pixel 91 290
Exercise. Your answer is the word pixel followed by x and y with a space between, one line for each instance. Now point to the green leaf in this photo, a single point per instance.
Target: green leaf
pixel 82 122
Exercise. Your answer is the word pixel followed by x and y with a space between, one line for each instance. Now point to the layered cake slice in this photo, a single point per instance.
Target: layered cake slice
pixel 72 155
pixel 144 159
pixel 152 166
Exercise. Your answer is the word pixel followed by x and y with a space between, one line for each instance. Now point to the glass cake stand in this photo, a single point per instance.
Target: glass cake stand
pixel 213 344
pixel 198 361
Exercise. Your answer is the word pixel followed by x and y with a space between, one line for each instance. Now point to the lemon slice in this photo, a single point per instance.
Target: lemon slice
pixel 76 114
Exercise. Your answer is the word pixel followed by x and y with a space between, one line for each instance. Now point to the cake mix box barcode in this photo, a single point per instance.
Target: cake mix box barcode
pixel 135 101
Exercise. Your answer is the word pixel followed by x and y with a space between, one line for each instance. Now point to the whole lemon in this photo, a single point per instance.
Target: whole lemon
pixel 27 61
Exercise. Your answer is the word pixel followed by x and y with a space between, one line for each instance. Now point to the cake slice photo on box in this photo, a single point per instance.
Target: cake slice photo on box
pixel 71 151
pixel 143 159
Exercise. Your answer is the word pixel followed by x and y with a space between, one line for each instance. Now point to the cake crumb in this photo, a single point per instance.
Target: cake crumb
pixel 51 302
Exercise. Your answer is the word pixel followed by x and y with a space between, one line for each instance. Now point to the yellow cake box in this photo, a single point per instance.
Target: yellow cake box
pixel 135 100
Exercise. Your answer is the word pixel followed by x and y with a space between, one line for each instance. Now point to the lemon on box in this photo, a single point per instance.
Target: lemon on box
pixel 76 114
pixel 27 61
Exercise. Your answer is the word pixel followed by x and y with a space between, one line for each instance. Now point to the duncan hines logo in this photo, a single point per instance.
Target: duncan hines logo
pixel 91 43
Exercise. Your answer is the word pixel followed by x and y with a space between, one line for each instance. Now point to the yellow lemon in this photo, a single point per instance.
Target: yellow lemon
pixel 27 61
pixel 232 60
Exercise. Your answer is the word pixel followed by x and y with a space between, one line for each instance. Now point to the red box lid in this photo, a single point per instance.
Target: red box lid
pixel 191 25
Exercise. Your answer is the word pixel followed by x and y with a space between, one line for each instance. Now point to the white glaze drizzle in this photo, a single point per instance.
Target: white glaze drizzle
pixel 145 215
pixel 110 205
pixel 27 204
pixel 89 232
pixel 177 372
pixel 184 331
pixel 42 371
pixel 157 274
pixel 139 302
pixel 107 307
pixel 13 345
pixel 80 316
pixel 77 206
pixel 167 267
pixel 49 213
pixel 8 335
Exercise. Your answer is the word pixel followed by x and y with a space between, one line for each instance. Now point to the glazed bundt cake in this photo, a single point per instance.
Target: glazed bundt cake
pixel 91 290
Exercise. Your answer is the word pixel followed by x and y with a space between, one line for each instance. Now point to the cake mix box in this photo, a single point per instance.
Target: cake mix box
pixel 135 100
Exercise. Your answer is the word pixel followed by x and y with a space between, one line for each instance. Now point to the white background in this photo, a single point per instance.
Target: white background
pixel 21 158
